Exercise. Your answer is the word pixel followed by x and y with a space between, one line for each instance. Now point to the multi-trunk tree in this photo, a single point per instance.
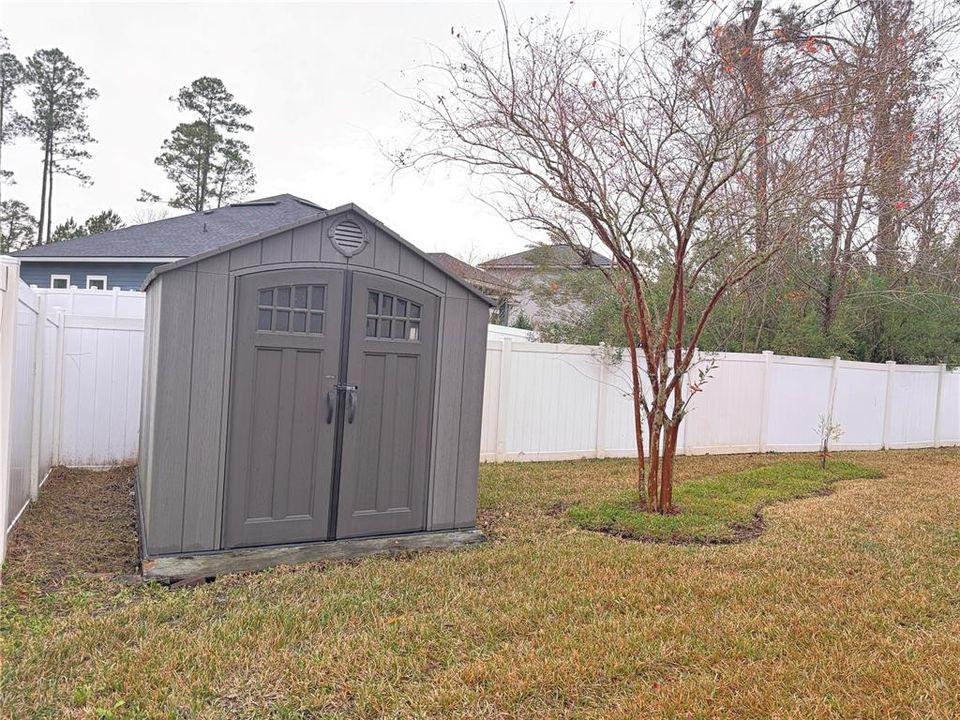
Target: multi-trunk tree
pixel 647 151
pixel 208 165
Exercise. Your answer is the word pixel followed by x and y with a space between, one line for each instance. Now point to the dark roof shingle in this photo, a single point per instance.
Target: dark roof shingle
pixel 184 235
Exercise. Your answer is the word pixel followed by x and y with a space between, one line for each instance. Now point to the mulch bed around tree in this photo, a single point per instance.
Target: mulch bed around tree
pixel 83 523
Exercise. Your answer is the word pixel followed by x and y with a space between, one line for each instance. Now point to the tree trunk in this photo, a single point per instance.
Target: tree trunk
pixel 653 476
pixel 666 475
pixel 50 200
pixel 637 403
pixel 43 191
pixel 756 87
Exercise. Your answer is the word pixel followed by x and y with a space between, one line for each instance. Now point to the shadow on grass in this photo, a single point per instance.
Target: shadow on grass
pixel 717 509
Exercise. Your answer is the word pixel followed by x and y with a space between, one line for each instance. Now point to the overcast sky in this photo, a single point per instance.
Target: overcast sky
pixel 314 76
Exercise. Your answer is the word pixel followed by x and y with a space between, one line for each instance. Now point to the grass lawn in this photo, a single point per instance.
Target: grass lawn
pixel 847 606
pixel 717 508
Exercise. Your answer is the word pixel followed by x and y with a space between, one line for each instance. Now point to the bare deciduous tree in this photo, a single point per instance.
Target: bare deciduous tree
pixel 648 152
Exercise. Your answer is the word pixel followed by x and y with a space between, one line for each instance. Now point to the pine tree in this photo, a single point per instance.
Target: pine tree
pixel 103 222
pixel 11 76
pixel 95 224
pixel 59 94
pixel 207 166
pixel 16 226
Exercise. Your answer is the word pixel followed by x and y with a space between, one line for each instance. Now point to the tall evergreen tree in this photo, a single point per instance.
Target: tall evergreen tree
pixel 16 226
pixel 95 224
pixel 11 76
pixel 206 164
pixel 59 94
pixel 232 172
pixel 103 222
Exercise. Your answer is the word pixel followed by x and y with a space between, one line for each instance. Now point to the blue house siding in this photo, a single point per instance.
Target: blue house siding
pixel 123 275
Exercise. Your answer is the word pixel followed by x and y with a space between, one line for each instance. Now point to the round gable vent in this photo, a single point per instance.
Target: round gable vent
pixel 348 237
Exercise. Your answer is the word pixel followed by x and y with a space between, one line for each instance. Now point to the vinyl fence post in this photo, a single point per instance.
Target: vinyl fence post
pixel 38 342
pixel 9 286
pixel 599 442
pixel 938 405
pixel 834 377
pixel 887 405
pixel 765 400
pixel 58 387
pixel 505 403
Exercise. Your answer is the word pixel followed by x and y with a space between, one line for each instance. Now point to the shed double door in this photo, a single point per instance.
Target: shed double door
pixel 330 401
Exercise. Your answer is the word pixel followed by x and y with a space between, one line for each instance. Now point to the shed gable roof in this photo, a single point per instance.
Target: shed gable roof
pixel 341 210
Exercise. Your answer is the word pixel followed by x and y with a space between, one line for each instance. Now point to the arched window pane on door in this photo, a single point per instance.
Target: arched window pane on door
pixel 392 318
pixel 291 309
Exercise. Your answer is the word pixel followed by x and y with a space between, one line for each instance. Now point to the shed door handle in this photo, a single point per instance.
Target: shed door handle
pixel 331 405
pixel 351 404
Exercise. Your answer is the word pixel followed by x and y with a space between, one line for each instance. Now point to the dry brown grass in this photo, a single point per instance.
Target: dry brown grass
pixel 847 606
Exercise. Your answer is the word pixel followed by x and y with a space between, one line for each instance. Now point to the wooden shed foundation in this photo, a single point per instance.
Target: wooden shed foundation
pixel 169 568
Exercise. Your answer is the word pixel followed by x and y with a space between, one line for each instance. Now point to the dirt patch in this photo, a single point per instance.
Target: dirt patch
pixel 83 524
pixel 741 533
pixel 558 509
pixel 490 520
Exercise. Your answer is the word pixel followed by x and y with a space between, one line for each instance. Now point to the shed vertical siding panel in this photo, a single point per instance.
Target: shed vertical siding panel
pixel 277 248
pixel 411 265
pixel 246 256
pixel 206 398
pixel 172 410
pixel 446 440
pixel 386 253
pixel 471 404
pixel 216 264
pixel 328 253
pixel 306 243
pixel 434 278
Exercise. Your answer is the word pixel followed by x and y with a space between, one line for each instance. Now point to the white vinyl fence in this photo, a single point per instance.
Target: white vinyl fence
pixel 70 366
pixel 559 402
pixel 71 363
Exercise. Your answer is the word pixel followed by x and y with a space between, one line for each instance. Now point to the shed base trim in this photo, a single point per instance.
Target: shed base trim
pixel 210 564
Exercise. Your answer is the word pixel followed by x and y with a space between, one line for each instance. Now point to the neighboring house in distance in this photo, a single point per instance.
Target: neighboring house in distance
pixel 499 290
pixel 123 258
pixel 537 266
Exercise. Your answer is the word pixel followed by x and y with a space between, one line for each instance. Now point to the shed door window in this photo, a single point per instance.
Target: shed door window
pixel 292 309
pixel 391 317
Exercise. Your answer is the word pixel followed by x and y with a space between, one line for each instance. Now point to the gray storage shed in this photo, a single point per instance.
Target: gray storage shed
pixel 303 389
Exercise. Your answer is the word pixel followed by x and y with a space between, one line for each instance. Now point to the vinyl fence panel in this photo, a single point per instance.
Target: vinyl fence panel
pixel 100 398
pixel 544 402
pixel 948 428
pixel 912 406
pixel 22 411
pixel 726 415
pixel 798 396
